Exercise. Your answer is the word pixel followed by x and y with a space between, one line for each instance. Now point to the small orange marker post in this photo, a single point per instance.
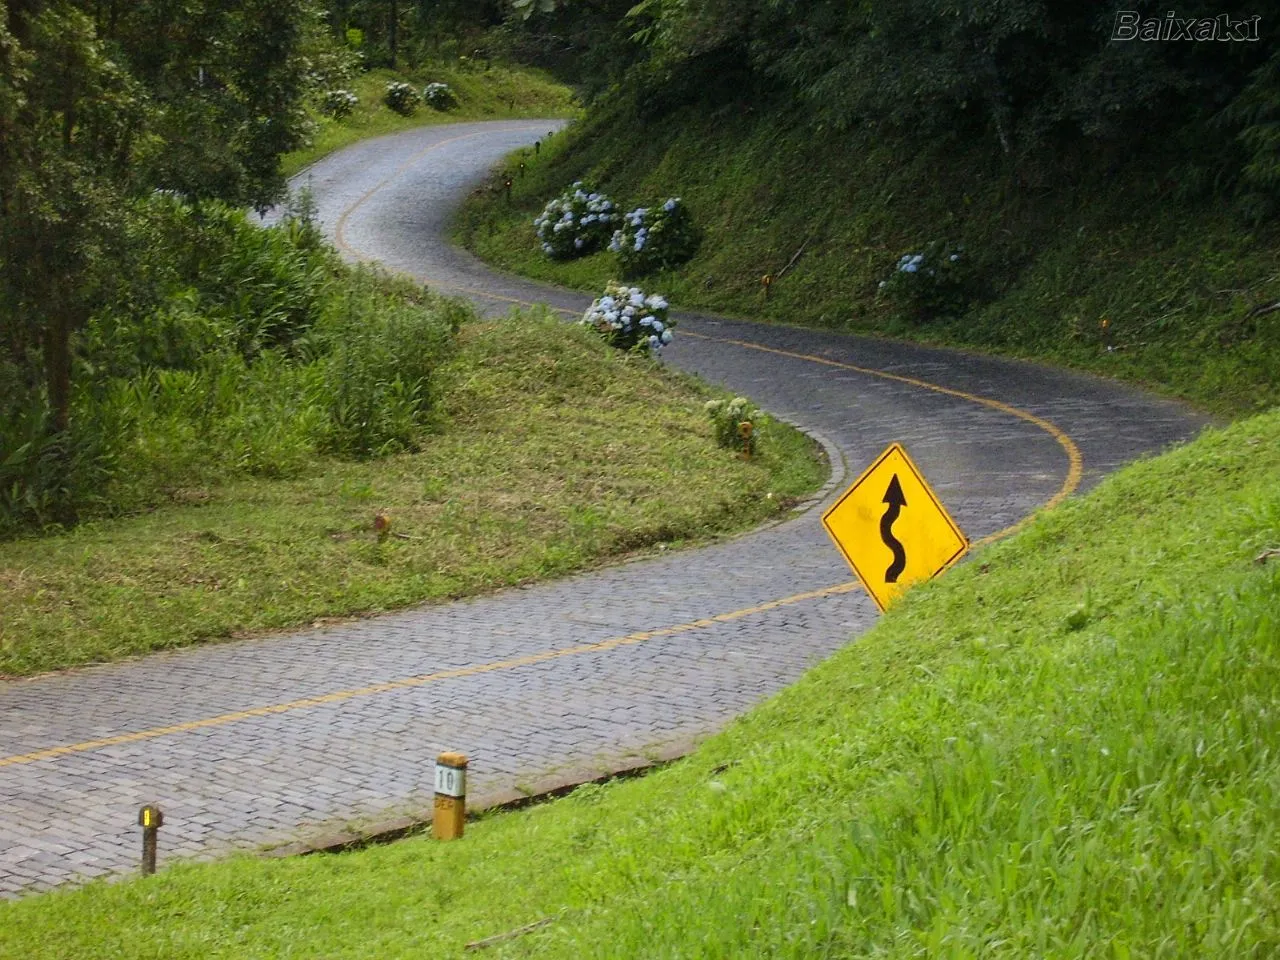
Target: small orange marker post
pixel 744 429
pixel 150 819
pixel 766 281
pixel 451 796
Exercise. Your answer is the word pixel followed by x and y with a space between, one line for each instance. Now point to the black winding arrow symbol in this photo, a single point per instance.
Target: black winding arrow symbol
pixel 896 501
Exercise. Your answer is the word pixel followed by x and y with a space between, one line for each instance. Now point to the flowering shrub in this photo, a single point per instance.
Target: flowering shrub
pixel 439 96
pixel 578 222
pixel 629 320
pixel 401 97
pixel 655 237
pixel 339 103
pixel 727 418
pixel 935 280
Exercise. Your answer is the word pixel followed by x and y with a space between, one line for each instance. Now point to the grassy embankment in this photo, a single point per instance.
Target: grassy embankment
pixel 499 92
pixel 233 492
pixel 552 453
pixel 1177 281
pixel 1069 747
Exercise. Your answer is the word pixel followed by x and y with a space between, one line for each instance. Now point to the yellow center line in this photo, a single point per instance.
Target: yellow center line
pixel 1075 461
pixel 338 696
pixel 1069 485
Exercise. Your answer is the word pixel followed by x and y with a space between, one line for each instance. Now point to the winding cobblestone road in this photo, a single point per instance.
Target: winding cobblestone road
pixel 277 740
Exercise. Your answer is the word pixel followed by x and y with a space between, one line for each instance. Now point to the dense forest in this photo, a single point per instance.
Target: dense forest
pixel 1049 86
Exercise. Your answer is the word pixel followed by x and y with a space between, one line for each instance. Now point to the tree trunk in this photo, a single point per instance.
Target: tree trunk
pixel 391 31
pixel 57 367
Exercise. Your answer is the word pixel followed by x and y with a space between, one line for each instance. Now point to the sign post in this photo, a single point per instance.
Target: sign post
pixel 892 528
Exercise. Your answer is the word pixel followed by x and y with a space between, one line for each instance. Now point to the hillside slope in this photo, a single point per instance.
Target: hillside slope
pixel 1118 269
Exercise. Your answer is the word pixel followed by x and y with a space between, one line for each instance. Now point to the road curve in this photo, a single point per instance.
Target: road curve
pixel 279 739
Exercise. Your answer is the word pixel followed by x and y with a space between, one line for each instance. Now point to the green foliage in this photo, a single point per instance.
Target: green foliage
pixel 930 283
pixel 736 423
pixel 100 108
pixel 587 45
pixel 628 320
pixel 339 103
pixel 578 222
pixel 225 84
pixel 654 238
pixel 380 352
pixel 1023 76
pixel 401 97
pixel 395 33
pixel 1255 114
pixel 241 351
pixel 439 96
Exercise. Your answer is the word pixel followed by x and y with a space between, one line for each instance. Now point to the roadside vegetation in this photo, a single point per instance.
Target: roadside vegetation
pixel 1052 198
pixel 546 452
pixel 201 419
pixel 1065 747
pixel 482 91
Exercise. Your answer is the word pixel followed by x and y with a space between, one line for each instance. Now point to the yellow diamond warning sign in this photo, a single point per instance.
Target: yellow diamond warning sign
pixel 892 528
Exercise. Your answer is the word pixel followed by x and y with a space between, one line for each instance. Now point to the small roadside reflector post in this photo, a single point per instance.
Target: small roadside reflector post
pixel 150 819
pixel 451 796
pixel 744 429
pixel 506 185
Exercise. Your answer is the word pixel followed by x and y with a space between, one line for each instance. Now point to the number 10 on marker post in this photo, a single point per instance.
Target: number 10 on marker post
pixel 450 810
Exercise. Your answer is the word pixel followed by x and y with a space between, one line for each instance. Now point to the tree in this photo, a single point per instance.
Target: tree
pixel 103 103
pixel 69 118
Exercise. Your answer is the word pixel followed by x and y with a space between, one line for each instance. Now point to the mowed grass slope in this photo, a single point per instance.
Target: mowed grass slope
pixel 553 452
pixel 495 92
pixel 1066 747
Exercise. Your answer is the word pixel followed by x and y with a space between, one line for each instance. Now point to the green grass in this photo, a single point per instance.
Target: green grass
pixel 555 453
pixel 1067 747
pixel 496 93
pixel 1177 279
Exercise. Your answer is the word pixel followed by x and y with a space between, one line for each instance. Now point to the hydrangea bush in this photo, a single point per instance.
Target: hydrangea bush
pixel 578 222
pixel 727 418
pixel 401 97
pixel 339 103
pixel 439 96
pixel 629 320
pixel 934 280
pixel 654 237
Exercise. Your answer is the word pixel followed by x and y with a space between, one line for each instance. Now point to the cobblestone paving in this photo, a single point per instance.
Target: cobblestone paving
pixel 270 741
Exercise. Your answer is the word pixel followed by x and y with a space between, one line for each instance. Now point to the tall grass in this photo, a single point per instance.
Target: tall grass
pixel 231 351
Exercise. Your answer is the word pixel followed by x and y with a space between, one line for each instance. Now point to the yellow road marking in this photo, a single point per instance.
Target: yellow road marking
pixel 1070 484
pixel 337 696
pixel 1075 461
